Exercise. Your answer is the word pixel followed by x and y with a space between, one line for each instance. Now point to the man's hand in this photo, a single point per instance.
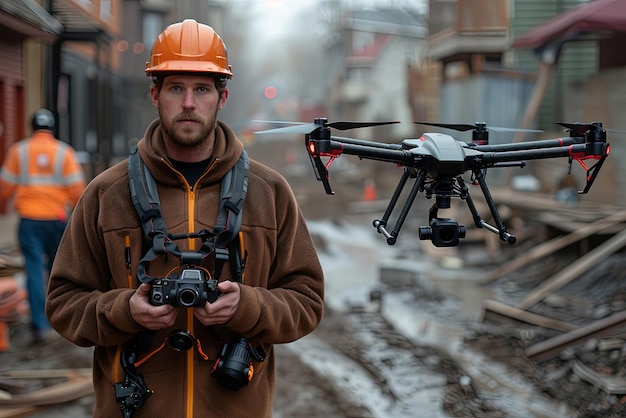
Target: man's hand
pixel 220 311
pixel 150 316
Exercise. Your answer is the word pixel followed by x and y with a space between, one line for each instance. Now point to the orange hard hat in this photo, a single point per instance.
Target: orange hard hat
pixel 189 46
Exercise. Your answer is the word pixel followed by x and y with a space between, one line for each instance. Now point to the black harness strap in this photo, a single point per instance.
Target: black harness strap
pixel 222 241
pixel 234 188
pixel 145 195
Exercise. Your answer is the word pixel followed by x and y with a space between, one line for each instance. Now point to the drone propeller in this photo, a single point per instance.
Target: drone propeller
pixel 307 128
pixel 478 126
pixel 580 129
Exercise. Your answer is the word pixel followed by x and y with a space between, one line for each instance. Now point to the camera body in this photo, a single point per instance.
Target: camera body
pixel 443 232
pixel 188 289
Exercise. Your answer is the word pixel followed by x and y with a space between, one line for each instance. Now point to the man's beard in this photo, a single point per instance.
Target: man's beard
pixel 188 136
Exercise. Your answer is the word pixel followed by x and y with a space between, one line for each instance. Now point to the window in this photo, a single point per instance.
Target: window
pixel 152 27
pixel 361 40
pixel 105 9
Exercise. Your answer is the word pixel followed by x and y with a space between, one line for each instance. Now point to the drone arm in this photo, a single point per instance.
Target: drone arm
pixel 490 158
pixel 597 150
pixel 575 151
pixel 373 144
pixel 530 145
pixel 332 148
pixel 326 147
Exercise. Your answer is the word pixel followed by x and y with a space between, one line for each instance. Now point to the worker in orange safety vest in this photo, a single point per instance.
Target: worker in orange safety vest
pixel 45 180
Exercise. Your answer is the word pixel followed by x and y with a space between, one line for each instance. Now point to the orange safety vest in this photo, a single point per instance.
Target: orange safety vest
pixel 44 176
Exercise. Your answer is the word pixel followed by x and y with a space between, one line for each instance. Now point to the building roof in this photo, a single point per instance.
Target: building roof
pixel 29 18
pixel 594 17
pixel 387 21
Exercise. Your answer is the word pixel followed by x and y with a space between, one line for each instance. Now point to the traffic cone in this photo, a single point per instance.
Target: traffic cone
pixel 369 190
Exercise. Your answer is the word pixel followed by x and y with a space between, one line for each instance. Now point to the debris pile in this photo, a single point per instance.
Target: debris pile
pixel 565 285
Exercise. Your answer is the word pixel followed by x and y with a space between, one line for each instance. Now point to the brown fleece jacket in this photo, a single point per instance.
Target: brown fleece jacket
pixel 90 284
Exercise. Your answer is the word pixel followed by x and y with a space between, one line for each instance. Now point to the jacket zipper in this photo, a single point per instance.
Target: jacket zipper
pixel 190 353
pixel 191 200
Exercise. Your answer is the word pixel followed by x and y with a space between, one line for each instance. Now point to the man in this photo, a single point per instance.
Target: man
pixel 46 180
pixel 161 356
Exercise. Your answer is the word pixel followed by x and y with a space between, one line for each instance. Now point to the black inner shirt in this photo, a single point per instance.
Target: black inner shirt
pixel 191 171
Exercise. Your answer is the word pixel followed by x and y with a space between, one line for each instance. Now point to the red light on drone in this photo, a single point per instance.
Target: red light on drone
pixel 312 149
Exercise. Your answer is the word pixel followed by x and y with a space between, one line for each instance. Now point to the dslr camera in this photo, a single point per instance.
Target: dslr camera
pixel 189 289
pixel 443 232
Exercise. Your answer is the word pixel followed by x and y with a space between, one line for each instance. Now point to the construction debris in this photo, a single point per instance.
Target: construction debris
pixel 73 384
pixel 569 283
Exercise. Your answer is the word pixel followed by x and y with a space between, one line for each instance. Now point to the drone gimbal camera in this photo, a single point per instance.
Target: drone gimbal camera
pixel 437 162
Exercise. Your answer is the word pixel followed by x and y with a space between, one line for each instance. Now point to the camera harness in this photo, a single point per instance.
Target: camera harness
pixel 223 242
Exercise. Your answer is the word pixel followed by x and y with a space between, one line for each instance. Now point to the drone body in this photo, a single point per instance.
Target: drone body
pixel 438 162
pixel 443 155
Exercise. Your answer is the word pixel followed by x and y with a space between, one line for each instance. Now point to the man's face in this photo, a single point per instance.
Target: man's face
pixel 188 106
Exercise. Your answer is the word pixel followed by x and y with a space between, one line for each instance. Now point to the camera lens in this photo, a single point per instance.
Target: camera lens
pixel 188 296
pixel 232 379
pixel 233 367
pixel 181 340
pixel 447 234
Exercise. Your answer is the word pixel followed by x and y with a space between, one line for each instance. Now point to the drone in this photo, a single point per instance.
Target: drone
pixel 436 164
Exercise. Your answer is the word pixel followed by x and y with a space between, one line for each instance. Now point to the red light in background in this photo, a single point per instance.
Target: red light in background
pixel 270 92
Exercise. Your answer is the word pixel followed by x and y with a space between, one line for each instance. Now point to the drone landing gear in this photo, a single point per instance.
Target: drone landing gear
pixel 380 224
pixel 500 228
pixel 442 232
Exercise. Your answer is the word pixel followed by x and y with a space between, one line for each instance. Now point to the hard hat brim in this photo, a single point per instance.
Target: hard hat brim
pixel 187 67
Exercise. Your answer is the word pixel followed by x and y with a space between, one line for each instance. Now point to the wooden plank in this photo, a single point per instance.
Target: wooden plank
pixel 545 350
pixel 74 388
pixel 46 373
pixel 18 411
pixel 610 383
pixel 528 317
pixel 575 269
pixel 544 202
pixel 555 244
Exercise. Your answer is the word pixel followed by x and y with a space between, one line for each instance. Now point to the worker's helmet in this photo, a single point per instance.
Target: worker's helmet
pixel 43 119
pixel 189 46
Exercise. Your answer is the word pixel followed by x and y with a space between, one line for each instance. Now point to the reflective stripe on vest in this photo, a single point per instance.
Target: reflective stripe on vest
pixel 26 178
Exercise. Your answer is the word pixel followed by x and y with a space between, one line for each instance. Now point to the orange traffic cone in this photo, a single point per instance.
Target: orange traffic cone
pixel 369 190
